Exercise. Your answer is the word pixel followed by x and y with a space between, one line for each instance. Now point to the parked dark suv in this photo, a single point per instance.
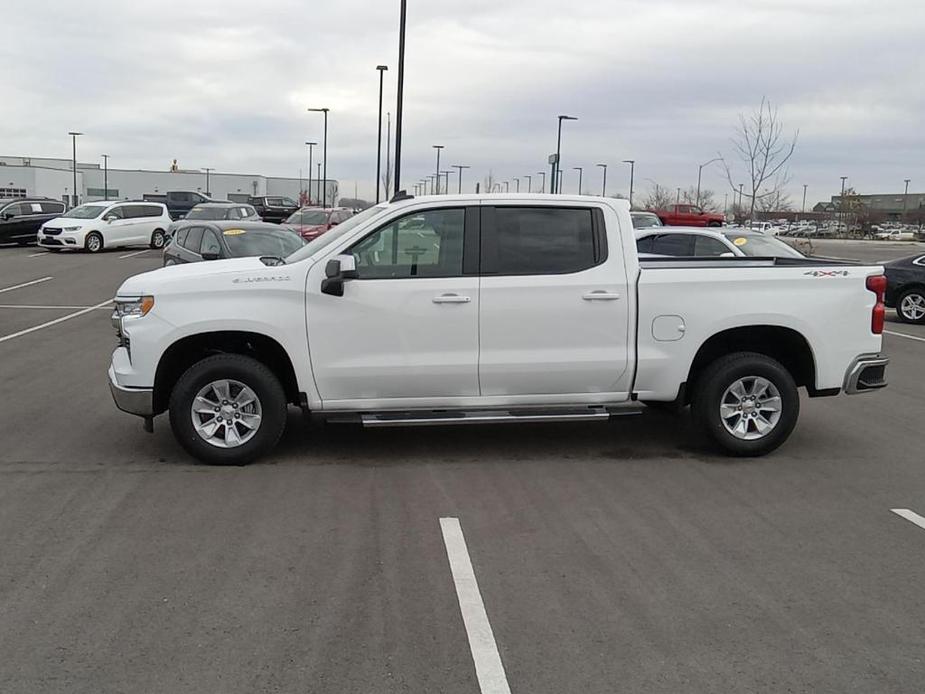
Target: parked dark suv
pixel 21 218
pixel 180 202
pixel 273 208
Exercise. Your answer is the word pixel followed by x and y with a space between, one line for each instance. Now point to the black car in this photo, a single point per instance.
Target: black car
pixel 219 240
pixel 273 208
pixel 21 218
pixel 180 202
pixel 905 288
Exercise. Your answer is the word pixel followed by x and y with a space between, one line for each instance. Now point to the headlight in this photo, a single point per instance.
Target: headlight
pixel 71 228
pixel 136 306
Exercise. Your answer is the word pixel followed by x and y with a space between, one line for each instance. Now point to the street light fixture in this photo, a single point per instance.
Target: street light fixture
pixel 905 196
pixel 324 181
pixel 516 184
pixel 543 174
pixel 529 183
pixel 556 169
pixel 604 182
pixel 381 69
pixel 580 171
pixel 438 148
pixel 446 187
pixel 311 146
pixel 105 176
pixel 841 206
pixel 632 163
pixel 400 93
pixel 699 172
pixel 459 168
pixel 208 189
pixel 74 135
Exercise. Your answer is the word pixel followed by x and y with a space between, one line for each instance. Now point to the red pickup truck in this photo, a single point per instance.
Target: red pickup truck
pixel 689 216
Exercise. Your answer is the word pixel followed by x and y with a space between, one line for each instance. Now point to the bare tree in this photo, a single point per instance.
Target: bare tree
pixel 658 198
pixel 707 199
pixel 763 150
pixel 777 201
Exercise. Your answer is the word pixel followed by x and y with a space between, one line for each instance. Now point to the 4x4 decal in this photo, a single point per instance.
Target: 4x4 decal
pixel 827 273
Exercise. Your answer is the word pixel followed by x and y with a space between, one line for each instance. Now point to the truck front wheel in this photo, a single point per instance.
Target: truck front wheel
pixel 228 409
pixel 747 403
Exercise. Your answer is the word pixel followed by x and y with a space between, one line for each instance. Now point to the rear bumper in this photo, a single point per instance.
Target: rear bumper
pixel 866 373
pixel 137 401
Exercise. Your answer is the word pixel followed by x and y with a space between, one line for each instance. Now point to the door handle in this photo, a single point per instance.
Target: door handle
pixel 451 299
pixel 600 295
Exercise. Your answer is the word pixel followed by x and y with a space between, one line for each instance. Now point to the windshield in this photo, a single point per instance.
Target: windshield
pixel 207 213
pixel 312 247
pixel 762 246
pixel 251 242
pixel 85 212
pixel 306 217
pixel 644 221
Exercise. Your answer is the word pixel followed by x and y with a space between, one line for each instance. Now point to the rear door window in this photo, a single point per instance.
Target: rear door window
pixel 193 239
pixel 209 243
pixel 708 246
pixel 674 244
pixel 52 208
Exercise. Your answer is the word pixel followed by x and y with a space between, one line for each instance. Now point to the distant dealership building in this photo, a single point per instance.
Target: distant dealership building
pixel 54 178
pixel 890 206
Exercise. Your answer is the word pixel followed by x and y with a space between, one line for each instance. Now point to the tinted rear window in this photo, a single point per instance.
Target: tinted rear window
pixel 193 239
pixel 543 241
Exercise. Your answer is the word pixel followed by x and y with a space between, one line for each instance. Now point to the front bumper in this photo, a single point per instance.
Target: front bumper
pixel 866 373
pixel 138 401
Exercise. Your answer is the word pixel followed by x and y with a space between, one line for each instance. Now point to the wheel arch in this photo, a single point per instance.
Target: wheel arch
pixel 190 349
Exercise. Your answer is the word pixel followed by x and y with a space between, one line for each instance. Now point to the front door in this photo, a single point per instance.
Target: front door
pixel 405 331
pixel 554 318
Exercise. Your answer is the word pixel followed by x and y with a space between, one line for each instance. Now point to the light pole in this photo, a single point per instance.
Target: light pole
pixel 741 185
pixel 438 148
pixel 319 179
pixel 841 206
pixel 529 183
pixel 381 69
pixel 700 173
pixel 459 168
pixel 106 176
pixel 543 174
pixel 401 90
pixel 208 171
pixel 604 182
pixel 803 208
pixel 311 146
pixel 446 187
pixel 74 136
pixel 516 184
pixel 556 188
pixel 324 155
pixel 580 171
pixel 632 163
pixel 678 201
pixel 559 181
pixel 905 196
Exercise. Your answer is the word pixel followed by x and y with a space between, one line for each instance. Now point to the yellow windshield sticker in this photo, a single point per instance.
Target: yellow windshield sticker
pixel 234 232
pixel 741 241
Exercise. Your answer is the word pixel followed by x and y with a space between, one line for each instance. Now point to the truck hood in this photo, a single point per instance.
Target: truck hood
pixel 192 274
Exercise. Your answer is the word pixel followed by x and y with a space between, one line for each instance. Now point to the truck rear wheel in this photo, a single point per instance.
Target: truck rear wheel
pixel 747 403
pixel 228 409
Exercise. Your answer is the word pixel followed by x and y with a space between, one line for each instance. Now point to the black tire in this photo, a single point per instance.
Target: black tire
pixel 917 293
pixel 715 224
pixel 724 372
pixel 255 376
pixel 158 238
pixel 91 246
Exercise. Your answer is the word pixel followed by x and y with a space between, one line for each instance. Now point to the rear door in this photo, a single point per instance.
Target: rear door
pixel 554 304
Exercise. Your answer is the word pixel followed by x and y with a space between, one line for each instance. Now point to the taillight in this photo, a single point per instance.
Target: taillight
pixel 877 284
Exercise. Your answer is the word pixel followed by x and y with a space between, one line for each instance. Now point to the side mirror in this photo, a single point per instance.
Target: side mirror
pixel 109 218
pixel 8 215
pixel 210 256
pixel 336 272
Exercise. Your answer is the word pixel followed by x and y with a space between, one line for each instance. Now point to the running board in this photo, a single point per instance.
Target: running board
pixel 404 419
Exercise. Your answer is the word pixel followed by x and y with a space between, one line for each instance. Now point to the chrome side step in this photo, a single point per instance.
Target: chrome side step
pixel 444 418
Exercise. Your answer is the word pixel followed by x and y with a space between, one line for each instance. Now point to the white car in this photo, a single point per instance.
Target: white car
pixel 94 226
pixel 466 309
pixel 700 241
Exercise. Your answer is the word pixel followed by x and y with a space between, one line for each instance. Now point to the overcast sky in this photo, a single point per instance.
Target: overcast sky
pixel 226 84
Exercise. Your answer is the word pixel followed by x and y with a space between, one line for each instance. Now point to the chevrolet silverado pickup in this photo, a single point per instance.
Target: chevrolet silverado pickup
pixel 492 308
pixel 689 216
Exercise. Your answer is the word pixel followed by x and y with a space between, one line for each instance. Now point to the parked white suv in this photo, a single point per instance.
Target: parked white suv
pixel 98 225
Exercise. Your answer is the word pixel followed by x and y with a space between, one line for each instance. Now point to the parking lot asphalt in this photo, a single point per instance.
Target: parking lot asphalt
pixel 625 556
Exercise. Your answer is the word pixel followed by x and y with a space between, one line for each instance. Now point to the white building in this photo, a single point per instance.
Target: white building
pixel 54 178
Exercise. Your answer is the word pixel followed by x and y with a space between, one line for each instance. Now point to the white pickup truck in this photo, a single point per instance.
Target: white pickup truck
pixel 492 308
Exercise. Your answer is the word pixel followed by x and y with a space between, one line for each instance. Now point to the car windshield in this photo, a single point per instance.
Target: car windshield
pixel 207 213
pixel 85 212
pixel 312 247
pixel 251 242
pixel 762 246
pixel 644 221
pixel 305 217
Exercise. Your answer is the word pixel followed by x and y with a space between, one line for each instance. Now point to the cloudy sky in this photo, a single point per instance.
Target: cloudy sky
pixel 226 84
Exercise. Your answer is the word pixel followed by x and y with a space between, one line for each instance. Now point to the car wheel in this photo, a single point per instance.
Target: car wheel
pixel 910 307
pixel 747 403
pixel 228 409
pixel 714 224
pixel 158 238
pixel 93 243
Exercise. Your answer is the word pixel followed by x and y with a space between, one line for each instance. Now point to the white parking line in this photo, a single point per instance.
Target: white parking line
pixel 55 321
pixel 488 667
pixel 56 308
pixel 908 337
pixel 910 516
pixel 36 255
pixel 132 255
pixel 25 284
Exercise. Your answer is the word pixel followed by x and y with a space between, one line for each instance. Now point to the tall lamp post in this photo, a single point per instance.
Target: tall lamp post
pixel 105 176
pixel 446 185
pixel 324 155
pixel 556 187
pixel 400 92
pixel 803 209
pixel 74 135
pixel 632 163
pixel 580 171
pixel 208 189
pixel 516 184
pixel 700 173
pixel 459 168
pixel 529 183
pixel 604 182
pixel 438 148
pixel 543 174
pixel 841 206
pixel 381 69
pixel 311 147
pixel 905 196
